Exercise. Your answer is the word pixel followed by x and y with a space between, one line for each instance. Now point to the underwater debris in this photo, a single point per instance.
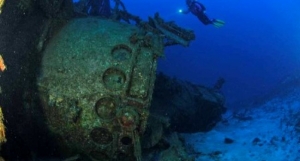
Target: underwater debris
pixel 125 16
pixel 126 75
pixel 171 31
pixel 219 84
pixel 172 34
pixel 1 5
pixel 185 104
pixel 121 100
pixel 122 14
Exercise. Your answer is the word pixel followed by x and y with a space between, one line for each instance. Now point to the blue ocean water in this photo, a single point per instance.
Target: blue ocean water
pixel 256 49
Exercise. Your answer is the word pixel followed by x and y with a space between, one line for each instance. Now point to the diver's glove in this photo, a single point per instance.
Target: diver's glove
pixel 218 23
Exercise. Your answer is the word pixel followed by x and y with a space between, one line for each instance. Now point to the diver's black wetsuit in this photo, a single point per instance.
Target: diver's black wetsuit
pixel 198 10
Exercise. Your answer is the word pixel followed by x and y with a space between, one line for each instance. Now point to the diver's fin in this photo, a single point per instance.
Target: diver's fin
pixel 218 23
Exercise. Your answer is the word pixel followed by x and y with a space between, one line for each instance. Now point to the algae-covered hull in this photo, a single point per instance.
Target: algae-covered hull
pixel 96 87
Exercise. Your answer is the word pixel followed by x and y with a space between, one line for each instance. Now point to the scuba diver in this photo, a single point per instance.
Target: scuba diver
pixel 198 10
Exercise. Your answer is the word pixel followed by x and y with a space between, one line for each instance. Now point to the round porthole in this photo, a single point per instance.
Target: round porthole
pixel 114 79
pixel 106 108
pixel 101 136
pixel 121 52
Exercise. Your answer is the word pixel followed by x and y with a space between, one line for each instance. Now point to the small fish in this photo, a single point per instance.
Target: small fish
pixel 2 65
pixel 1 5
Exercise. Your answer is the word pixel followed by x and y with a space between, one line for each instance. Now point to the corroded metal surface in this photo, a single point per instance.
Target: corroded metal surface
pixel 96 87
